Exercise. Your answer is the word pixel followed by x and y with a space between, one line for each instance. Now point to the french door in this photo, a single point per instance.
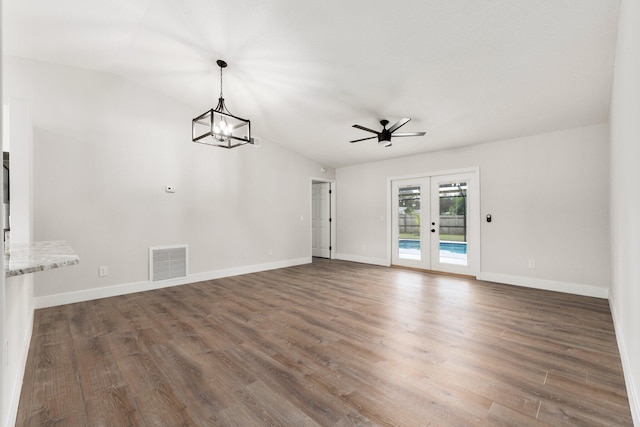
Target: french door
pixel 434 223
pixel 410 234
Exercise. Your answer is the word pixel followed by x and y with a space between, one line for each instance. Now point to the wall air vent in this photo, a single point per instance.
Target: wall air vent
pixel 167 262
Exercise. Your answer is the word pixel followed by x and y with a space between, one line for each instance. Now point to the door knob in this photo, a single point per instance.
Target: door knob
pixel 433 230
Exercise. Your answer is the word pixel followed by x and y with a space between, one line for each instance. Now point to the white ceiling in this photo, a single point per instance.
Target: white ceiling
pixel 305 71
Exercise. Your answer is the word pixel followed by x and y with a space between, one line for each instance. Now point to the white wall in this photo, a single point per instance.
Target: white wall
pixel 625 198
pixel 18 291
pixel 548 195
pixel 3 406
pixel 104 150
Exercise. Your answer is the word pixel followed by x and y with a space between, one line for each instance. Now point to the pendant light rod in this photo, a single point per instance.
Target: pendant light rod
pixel 222 65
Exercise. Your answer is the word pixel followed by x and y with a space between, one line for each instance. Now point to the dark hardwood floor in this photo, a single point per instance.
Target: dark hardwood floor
pixel 333 344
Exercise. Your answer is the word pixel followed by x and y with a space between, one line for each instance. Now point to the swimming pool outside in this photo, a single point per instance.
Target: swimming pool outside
pixel 450 252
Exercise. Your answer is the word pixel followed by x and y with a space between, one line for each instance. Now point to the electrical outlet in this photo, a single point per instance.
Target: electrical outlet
pixel 532 263
pixel 270 251
pixel 103 271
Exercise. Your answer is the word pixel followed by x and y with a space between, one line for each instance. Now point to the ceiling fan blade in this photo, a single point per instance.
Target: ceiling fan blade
pixel 367 129
pixel 362 139
pixel 409 134
pixel 399 124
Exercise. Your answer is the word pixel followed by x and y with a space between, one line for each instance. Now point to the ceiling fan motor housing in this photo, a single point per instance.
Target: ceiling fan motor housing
pixel 384 137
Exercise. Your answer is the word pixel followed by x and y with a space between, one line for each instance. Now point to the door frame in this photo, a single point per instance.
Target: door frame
pixel 474 207
pixel 332 198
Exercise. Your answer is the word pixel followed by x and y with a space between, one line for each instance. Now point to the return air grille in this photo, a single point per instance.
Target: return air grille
pixel 167 263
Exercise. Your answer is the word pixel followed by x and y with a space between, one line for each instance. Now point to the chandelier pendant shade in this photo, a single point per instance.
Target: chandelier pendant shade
pixel 218 127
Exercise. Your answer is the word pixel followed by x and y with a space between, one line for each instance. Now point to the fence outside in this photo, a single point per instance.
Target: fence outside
pixel 453 225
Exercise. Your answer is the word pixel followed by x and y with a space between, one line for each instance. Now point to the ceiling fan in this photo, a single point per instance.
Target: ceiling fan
pixel 384 136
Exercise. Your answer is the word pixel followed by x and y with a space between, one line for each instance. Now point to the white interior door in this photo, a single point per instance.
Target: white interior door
pixel 321 219
pixel 435 222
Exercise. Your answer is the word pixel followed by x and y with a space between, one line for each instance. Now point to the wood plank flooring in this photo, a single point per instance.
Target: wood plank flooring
pixel 330 343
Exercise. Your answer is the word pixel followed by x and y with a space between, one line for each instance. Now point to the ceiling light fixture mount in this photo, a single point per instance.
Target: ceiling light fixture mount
pixel 218 127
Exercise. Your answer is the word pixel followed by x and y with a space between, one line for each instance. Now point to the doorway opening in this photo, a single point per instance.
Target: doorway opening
pixel 322 218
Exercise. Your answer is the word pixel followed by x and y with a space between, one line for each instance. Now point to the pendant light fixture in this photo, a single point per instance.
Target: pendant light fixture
pixel 220 128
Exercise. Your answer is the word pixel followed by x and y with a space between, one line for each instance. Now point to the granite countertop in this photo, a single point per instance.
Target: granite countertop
pixel 25 258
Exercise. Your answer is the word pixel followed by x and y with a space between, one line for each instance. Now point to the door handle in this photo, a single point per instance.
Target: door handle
pixel 433 230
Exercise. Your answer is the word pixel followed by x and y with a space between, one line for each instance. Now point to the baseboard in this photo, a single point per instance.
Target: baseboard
pixel 632 388
pixel 14 399
pixel 219 274
pixel 363 260
pixel 548 285
pixel 129 288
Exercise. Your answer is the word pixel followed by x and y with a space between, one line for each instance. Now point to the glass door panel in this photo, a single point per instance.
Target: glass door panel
pixel 452 232
pixel 453 229
pixel 409 234
pixel 410 239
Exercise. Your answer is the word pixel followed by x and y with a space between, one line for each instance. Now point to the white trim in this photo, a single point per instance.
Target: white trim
pixel 634 398
pixel 363 260
pixel 548 285
pixel 129 288
pixel 333 227
pixel 389 220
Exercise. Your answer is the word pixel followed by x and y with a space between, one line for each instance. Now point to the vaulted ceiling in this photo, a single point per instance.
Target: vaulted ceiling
pixel 305 71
